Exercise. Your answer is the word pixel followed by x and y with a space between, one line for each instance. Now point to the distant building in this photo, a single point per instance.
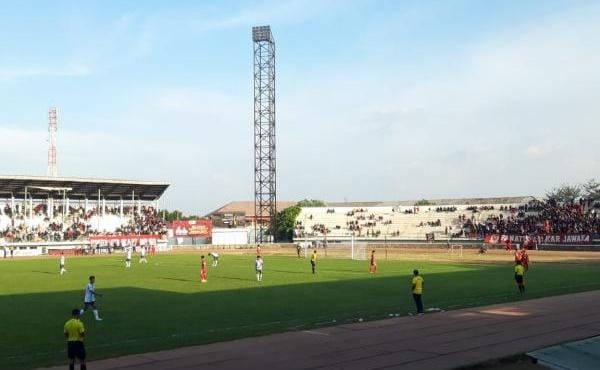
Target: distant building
pixel 240 214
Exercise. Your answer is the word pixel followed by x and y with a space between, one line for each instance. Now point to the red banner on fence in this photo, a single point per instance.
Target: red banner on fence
pixel 194 228
pixel 539 239
pixel 122 240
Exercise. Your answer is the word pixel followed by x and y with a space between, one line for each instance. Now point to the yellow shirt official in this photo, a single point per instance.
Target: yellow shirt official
pixel 74 330
pixel 417 283
pixel 519 270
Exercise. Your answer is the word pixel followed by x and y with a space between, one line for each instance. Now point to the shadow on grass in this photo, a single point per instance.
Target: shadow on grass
pixel 44 272
pixel 292 271
pixel 178 279
pixel 139 320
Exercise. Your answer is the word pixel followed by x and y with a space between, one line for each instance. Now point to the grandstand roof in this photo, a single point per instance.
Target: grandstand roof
pixel 39 187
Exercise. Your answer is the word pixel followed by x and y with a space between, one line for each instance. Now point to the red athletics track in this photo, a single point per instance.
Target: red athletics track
pixel 443 340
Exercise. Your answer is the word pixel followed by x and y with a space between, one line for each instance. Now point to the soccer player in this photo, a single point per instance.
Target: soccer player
pixel 258 265
pixel 298 249
pixel 416 287
pixel 74 332
pixel 62 263
pixel 313 261
pixel 258 250
pixel 203 277
pixel 215 258
pixel 519 273
pixel 143 255
pixel 525 259
pixel 128 258
pixel 89 300
pixel 373 264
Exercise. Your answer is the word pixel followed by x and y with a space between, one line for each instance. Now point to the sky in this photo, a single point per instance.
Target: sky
pixel 375 100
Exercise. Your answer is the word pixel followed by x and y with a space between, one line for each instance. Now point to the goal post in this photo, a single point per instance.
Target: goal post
pixel 358 250
pixel 456 248
pixel 348 249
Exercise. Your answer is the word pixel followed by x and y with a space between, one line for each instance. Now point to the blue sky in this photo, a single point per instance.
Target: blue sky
pixel 376 100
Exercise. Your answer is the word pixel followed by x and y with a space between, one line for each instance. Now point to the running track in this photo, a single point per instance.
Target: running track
pixel 443 340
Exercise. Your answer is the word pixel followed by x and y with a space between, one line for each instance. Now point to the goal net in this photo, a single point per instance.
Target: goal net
pixel 353 250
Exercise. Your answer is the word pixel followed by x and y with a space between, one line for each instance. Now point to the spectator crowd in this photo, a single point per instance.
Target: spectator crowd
pixel 541 217
pixel 78 223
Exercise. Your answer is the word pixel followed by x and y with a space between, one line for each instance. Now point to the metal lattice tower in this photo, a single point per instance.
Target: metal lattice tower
pixel 265 189
pixel 52 128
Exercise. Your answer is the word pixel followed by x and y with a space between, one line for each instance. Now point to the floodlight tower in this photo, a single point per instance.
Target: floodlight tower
pixel 52 128
pixel 265 189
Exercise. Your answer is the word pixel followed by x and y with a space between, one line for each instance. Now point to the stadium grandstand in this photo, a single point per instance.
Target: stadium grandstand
pixel 57 209
pixel 514 218
pixel 42 210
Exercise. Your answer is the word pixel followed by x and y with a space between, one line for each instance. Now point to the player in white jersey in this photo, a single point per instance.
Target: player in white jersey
pixel 62 263
pixel 90 298
pixel 258 265
pixel 128 258
pixel 143 255
pixel 215 258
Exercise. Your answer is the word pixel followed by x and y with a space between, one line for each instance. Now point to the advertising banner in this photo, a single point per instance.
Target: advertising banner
pixel 539 239
pixel 123 240
pixel 193 228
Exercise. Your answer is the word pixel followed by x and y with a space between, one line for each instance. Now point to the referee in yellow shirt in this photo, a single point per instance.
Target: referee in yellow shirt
pixel 519 274
pixel 416 287
pixel 74 333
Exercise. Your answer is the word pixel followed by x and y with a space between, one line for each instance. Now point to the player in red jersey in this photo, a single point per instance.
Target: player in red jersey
pixel 525 259
pixel 373 264
pixel 203 277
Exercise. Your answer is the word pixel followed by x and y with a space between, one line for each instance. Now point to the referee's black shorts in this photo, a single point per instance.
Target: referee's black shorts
pixel 75 349
pixel 519 279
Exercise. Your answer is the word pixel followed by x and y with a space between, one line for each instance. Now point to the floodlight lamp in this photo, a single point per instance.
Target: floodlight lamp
pixel 261 33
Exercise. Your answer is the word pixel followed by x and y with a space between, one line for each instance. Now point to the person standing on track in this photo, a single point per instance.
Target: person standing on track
pixel 74 332
pixel 416 287
pixel 519 276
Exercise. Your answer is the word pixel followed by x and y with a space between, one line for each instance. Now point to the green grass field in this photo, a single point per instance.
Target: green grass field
pixel 163 305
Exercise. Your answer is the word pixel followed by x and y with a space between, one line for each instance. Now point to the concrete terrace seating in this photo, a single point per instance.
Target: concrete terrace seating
pixel 392 222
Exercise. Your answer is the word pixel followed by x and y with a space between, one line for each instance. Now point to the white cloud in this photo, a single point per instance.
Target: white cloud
pixel 533 151
pixel 71 69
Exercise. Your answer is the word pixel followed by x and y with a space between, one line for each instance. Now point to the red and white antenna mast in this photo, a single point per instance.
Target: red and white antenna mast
pixel 52 128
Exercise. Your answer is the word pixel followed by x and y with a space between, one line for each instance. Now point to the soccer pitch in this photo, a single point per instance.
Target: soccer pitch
pixel 163 305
